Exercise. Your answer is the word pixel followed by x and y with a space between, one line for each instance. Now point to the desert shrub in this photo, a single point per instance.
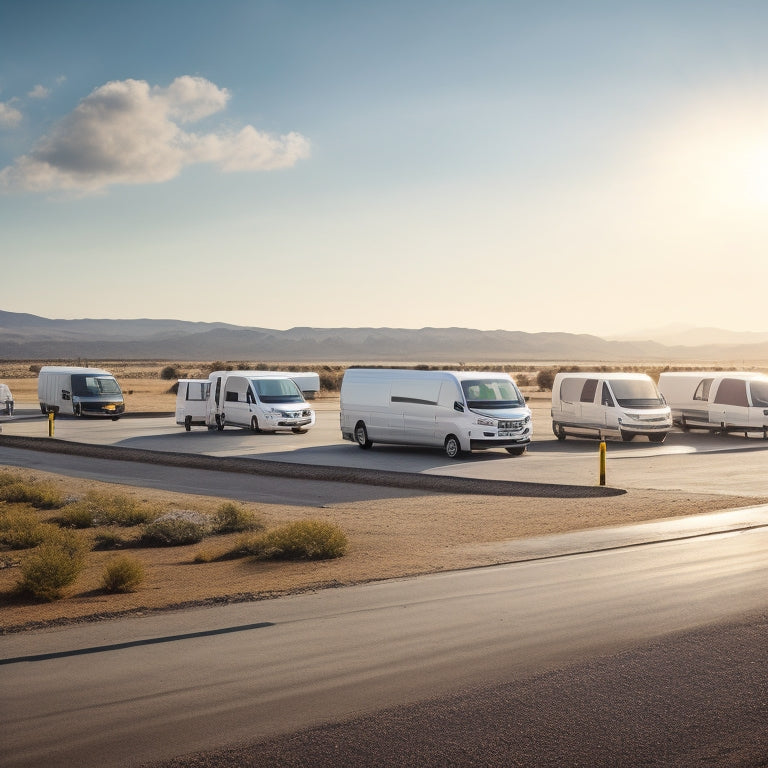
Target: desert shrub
pixel 173 389
pixel 21 529
pixel 545 378
pixel 169 373
pixel 176 528
pixel 330 380
pixel 233 518
pixel 303 540
pixel 522 380
pixel 123 574
pixel 77 515
pixel 52 567
pixel 34 368
pixel 30 491
pixel 111 509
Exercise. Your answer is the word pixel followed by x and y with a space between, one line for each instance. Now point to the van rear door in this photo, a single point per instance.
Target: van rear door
pixel 730 406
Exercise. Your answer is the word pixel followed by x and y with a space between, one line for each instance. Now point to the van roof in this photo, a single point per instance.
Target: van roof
pixel 613 376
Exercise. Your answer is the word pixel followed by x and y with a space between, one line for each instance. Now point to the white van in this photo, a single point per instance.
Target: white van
pixel 721 401
pixel 599 405
pixel 263 401
pixel 192 402
pixel 6 400
pixel 455 410
pixel 79 391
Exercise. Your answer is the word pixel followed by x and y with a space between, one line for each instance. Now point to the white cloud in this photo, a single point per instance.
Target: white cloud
pixel 10 117
pixel 126 132
pixel 39 92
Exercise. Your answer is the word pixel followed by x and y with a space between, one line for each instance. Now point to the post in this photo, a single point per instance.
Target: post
pixel 51 417
pixel 602 462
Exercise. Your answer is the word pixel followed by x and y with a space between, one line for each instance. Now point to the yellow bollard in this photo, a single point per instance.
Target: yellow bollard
pixel 51 417
pixel 602 462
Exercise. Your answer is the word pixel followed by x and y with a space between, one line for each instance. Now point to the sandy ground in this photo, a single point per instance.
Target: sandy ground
pixel 390 538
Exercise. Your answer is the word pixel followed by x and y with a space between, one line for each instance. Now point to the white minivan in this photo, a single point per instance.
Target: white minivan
pixel 599 405
pixel 263 401
pixel 454 410
pixel 720 401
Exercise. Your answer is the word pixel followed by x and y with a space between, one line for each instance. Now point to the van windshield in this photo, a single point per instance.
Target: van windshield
pixel 277 391
pixel 636 393
pixel 759 391
pixel 491 393
pixel 85 385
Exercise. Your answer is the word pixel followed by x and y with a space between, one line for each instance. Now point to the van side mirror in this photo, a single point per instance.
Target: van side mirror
pixel 457 406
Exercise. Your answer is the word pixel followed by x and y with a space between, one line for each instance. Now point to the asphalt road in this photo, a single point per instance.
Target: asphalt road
pixel 695 462
pixel 119 693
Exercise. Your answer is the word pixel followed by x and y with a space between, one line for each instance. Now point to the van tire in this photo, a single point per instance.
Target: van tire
pixel 516 450
pixel 558 430
pixel 452 447
pixel 43 408
pixel 220 422
pixel 627 436
pixel 188 423
pixel 255 428
pixel 298 430
pixel 361 435
pixel 77 410
pixel 657 438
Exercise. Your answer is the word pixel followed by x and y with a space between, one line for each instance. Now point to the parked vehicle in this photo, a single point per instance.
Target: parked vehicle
pixel 6 400
pixel 721 401
pixel 599 405
pixel 263 401
pixel 192 402
pixel 454 410
pixel 79 391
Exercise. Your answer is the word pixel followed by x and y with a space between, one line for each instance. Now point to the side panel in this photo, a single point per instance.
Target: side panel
pixel 415 401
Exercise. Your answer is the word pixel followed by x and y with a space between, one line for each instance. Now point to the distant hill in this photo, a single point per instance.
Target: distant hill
pixel 29 337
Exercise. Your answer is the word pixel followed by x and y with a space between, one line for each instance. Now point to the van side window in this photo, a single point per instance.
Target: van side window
pixel 588 392
pixel 570 389
pixel 231 397
pixel 606 398
pixel 702 391
pixel 732 392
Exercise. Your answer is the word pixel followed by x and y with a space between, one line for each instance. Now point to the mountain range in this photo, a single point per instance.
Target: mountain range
pixel 30 337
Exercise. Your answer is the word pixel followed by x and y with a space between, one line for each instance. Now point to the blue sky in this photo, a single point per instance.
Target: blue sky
pixel 589 167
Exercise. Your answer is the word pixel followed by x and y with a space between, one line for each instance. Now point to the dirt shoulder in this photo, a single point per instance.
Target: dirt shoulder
pixel 388 538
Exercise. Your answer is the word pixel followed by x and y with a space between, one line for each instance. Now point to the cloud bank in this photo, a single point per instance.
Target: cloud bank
pixel 126 132
pixel 10 117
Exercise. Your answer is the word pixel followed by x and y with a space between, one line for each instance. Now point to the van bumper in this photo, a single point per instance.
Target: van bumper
pixel 503 442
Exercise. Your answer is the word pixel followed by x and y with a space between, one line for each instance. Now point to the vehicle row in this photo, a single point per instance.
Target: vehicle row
pixel 456 410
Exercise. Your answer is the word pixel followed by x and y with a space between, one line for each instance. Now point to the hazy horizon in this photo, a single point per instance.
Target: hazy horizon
pixel 592 168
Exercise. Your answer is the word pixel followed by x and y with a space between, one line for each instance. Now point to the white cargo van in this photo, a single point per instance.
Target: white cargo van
pixel 455 410
pixel 79 391
pixel 599 405
pixel 263 401
pixel 721 401
pixel 192 402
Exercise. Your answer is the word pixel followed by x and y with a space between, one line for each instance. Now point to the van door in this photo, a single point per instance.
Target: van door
pixel 758 397
pixel 418 402
pixel 213 406
pixel 731 405
pixel 592 411
pixel 237 408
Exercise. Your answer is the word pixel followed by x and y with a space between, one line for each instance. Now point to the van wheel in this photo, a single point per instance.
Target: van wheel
pixel 77 410
pixel 558 430
pixel 452 447
pixel 627 437
pixel 188 423
pixel 516 450
pixel 255 424
pixel 361 435
pixel 298 430
pixel 220 422
pixel 657 438
pixel 43 409
pixel 684 424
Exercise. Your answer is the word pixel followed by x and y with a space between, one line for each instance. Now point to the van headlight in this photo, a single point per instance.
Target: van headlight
pixel 486 422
